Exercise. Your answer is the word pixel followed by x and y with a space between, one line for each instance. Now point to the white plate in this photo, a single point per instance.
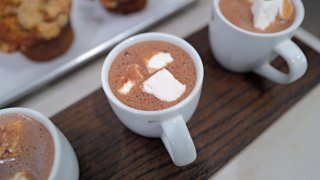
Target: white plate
pixel 96 30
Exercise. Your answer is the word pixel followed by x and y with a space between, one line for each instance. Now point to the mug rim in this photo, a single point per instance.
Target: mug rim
pixel 299 12
pixel 46 122
pixel 150 36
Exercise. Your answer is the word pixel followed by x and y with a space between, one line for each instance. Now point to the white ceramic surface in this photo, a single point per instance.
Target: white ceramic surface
pixel 65 163
pixel 168 124
pixel 241 51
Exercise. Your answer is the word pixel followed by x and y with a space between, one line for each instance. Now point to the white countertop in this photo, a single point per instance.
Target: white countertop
pixel 287 150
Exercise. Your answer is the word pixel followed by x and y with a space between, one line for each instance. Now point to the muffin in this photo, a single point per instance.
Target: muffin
pixel 124 6
pixel 40 29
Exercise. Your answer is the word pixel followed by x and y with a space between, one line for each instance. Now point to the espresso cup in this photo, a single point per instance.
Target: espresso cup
pixel 168 124
pixel 240 50
pixel 65 164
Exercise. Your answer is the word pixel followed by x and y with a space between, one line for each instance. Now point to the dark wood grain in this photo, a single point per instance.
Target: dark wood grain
pixel 233 110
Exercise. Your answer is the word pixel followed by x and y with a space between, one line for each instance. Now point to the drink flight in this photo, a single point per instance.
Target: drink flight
pixel 26 148
pixel 152 75
pixel 259 15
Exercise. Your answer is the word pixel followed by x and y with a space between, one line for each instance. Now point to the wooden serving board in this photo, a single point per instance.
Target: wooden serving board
pixel 233 110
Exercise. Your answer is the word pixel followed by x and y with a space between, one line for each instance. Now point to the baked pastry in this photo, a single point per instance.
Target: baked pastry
pixel 38 28
pixel 124 6
pixel 49 49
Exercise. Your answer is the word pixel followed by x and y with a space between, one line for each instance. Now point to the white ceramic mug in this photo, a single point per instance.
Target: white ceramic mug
pixel 240 50
pixel 65 164
pixel 169 124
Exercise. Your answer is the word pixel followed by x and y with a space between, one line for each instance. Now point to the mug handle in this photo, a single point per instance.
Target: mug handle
pixel 294 57
pixel 178 142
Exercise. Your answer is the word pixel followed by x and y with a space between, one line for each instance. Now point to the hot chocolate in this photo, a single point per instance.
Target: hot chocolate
pixel 26 148
pixel 239 13
pixel 152 75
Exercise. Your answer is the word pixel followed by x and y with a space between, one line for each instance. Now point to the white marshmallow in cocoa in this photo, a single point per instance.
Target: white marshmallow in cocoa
pixel 158 61
pixel 164 86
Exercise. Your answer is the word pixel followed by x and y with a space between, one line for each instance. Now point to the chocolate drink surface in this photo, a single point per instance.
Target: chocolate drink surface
pixel 26 148
pixel 133 65
pixel 238 12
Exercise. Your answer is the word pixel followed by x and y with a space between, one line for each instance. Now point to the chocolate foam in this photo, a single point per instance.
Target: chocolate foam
pixel 182 68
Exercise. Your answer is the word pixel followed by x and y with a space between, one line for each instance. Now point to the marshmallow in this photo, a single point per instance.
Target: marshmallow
pixel 125 89
pixel 131 77
pixel 164 86
pixel 134 72
pixel 285 8
pixel 264 13
pixel 158 61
